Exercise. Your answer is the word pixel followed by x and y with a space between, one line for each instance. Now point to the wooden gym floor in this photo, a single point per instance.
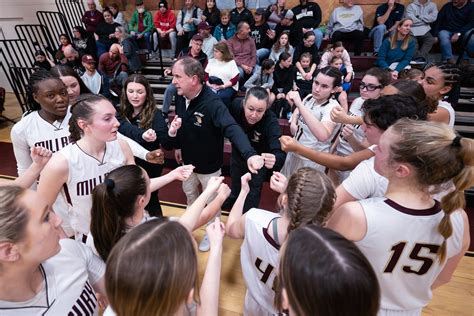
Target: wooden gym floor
pixel 454 298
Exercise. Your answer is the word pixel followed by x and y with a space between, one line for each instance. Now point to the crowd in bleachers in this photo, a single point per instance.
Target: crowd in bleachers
pixel 358 180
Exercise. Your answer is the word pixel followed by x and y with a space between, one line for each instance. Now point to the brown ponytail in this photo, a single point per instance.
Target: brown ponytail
pixel 113 202
pixel 311 197
pixel 438 155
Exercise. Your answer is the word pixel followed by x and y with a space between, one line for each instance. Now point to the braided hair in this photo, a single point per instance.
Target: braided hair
pixel 311 197
pixel 451 73
pixel 32 88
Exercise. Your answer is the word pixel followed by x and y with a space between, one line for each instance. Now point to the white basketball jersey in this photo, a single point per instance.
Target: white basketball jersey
pixel 323 113
pixel 32 131
pixel 364 182
pixel 344 148
pixel 85 172
pixel 259 260
pixel 68 280
pixel 401 245
pixel 452 114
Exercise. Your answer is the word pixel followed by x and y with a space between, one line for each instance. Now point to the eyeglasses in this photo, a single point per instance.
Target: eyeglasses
pixel 369 87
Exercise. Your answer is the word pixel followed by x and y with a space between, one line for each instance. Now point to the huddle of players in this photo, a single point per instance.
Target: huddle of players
pixel 320 271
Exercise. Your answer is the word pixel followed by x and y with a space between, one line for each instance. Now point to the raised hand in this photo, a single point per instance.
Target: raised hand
pixel 156 156
pixel 278 182
pixel 183 172
pixel 348 131
pixel 149 135
pixel 255 163
pixel 338 115
pixel 213 184
pixel 174 126
pixel 269 160
pixel 40 155
pixel 215 232
pixel 244 182
pixel 288 143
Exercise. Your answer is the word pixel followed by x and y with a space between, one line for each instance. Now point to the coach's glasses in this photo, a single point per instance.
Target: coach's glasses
pixel 369 87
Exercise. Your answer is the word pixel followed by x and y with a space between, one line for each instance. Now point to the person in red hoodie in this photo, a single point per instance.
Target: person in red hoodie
pixel 165 24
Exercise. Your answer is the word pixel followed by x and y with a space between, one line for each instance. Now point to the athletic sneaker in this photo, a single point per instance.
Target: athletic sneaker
pixel 204 246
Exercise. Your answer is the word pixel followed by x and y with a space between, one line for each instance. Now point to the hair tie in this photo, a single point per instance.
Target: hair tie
pixel 456 141
pixel 110 184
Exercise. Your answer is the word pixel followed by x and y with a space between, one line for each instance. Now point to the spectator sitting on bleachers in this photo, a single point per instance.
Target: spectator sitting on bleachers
pixel 92 17
pixel 222 74
pixel 307 17
pixel 263 77
pixel 304 79
pixel 281 45
pixel 194 51
pixel 455 19
pixel 187 20
pixel 208 41
pixel 397 51
pixel 129 49
pixel 422 13
pixel 387 17
pixel 347 24
pixel 73 60
pixel 92 78
pixel 308 46
pixel 165 24
pixel 262 35
pixel 114 66
pixel 275 13
pixel 84 42
pixel 104 33
pixel 338 50
pixel 141 24
pixel 286 25
pixel 225 29
pixel 117 15
pixel 241 13
pixel 42 61
pixel 64 41
pixel 211 14
pixel 244 50
pixel 283 82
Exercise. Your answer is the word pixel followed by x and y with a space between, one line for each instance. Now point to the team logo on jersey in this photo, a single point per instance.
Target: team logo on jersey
pixel 256 137
pixel 198 117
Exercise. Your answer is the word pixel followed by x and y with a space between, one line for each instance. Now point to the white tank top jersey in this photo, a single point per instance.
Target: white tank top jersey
pixel 259 259
pixel 452 114
pixel 323 113
pixel 364 182
pixel 32 131
pixel 85 172
pixel 401 245
pixel 344 148
pixel 67 290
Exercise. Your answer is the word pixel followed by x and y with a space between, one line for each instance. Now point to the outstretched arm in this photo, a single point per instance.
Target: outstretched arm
pixel 329 160
pixel 190 218
pixel 235 227
pixel 40 157
pixel 211 281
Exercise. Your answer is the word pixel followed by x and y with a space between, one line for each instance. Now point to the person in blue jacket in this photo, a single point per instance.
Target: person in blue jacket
pixel 397 51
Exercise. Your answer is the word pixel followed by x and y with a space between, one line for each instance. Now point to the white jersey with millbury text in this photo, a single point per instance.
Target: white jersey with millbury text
pixel 85 172
pixel 67 285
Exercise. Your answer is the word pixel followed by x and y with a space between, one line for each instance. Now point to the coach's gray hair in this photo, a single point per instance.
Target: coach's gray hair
pixel 192 67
